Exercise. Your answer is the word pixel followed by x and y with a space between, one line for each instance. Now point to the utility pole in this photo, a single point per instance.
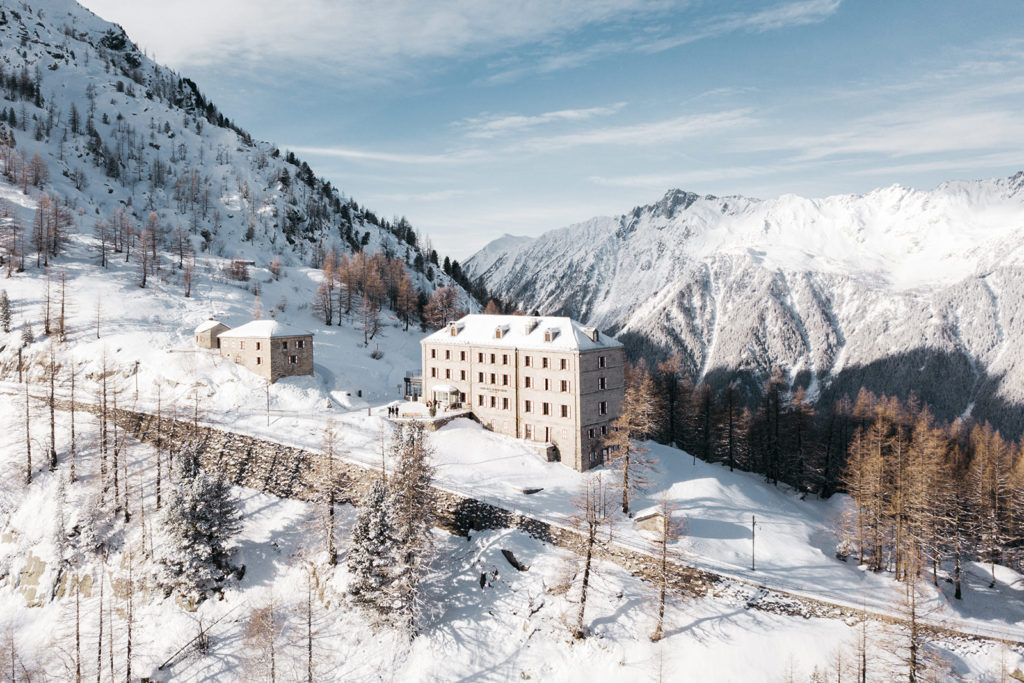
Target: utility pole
pixel 753 526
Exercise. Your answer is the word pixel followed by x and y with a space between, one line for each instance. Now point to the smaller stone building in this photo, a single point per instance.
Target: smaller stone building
pixel 269 349
pixel 207 334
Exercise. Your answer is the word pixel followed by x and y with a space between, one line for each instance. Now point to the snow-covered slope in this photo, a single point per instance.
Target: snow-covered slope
pixel 116 132
pixel 898 289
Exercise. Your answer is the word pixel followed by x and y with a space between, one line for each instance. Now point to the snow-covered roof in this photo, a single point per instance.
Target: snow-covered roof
pixel 444 388
pixel 547 333
pixel 207 325
pixel 266 329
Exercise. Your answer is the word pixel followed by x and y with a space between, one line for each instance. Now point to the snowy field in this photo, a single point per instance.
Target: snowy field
pixel 512 628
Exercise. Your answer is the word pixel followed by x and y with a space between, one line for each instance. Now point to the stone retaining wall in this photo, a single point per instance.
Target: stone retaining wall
pixel 290 472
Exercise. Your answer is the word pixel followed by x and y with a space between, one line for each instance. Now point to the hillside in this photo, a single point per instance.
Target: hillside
pixel 898 290
pixel 122 145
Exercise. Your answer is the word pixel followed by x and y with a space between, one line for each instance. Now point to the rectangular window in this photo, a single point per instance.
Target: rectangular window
pixel 284 345
pixel 527 361
pixel 528 431
pixel 494 401
pixel 526 381
pixel 257 346
pixel 492 359
pixel 433 372
pixel 480 400
pixel 504 403
pixel 293 360
pixel 603 408
pixel 565 385
pixel 565 410
pixel 604 430
pixel 544 362
pixel 600 362
pixel 259 361
pixel 447 373
pixel 241 344
pixel 447 354
pixel 480 377
pixel 504 359
pixel 601 383
pixel 301 343
pixel 462 374
pixel 479 358
pixel 528 407
pixel 433 353
pixel 545 408
pixel 504 380
pixel 494 378
pixel 462 355
pixel 590 432
pixel 564 364
pixel 547 384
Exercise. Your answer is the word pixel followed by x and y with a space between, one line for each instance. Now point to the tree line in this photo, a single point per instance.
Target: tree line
pixel 940 492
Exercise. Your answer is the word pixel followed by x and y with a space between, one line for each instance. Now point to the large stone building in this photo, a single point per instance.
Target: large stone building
pixel 543 379
pixel 266 347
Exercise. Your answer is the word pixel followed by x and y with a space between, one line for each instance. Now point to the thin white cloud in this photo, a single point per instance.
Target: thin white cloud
pixel 772 19
pixel 485 127
pixel 648 133
pixel 683 179
pixel 660 132
pixel 782 16
pixel 437 196
pixel 1008 160
pixel 388 157
pixel 905 133
pixel 356 39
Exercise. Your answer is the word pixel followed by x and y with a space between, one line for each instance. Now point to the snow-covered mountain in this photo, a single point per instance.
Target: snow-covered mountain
pixel 898 290
pixel 115 132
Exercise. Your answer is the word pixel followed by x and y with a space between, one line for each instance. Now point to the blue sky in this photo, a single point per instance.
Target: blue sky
pixel 476 118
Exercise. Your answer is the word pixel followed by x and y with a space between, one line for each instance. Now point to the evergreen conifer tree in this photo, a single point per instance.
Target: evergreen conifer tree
pixel 372 557
pixel 199 522
pixel 5 311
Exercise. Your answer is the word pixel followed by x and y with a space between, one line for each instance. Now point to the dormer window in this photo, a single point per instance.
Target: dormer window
pixel 454 329
pixel 550 334
pixel 500 331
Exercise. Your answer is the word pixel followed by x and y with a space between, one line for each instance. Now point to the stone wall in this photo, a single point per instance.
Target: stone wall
pixel 286 471
pixel 290 472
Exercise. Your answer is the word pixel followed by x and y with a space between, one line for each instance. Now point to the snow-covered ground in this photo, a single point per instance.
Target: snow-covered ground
pixel 512 628
pixel 146 336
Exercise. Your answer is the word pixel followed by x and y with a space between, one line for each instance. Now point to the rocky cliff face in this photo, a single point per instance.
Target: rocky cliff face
pixel 898 290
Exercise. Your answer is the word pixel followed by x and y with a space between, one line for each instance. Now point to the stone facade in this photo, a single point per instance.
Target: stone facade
pixel 206 335
pixel 564 388
pixel 269 349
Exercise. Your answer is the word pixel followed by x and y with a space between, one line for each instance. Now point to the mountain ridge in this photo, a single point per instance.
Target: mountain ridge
pixel 823 289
